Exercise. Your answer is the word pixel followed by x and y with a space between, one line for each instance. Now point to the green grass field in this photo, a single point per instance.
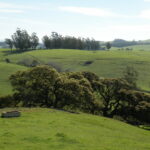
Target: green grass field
pixel 5 71
pixel 48 129
pixel 140 47
pixel 105 63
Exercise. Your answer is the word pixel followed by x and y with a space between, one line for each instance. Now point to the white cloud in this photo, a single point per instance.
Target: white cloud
pixel 91 11
pixel 14 8
pixel 145 14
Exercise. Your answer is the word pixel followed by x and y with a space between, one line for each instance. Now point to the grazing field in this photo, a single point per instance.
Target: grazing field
pixel 5 71
pixel 104 63
pixel 44 129
pixel 140 47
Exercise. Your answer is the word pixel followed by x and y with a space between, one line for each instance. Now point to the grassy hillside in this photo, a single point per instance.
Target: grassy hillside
pixel 44 129
pixel 104 63
pixel 140 47
pixel 5 71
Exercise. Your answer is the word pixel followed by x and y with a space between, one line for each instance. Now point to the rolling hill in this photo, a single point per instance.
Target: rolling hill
pixel 109 64
pixel 44 129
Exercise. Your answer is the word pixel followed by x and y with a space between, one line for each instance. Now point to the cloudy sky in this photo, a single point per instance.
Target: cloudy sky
pixel 101 19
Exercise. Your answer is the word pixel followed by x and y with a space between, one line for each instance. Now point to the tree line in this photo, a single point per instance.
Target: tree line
pixel 56 40
pixel 22 41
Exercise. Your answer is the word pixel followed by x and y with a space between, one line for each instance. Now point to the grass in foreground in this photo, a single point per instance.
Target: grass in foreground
pixel 45 129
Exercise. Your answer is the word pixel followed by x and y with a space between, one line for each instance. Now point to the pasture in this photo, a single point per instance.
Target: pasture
pixel 108 64
pixel 44 129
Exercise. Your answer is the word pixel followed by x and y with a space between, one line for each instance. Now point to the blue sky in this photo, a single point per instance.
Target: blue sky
pixel 101 19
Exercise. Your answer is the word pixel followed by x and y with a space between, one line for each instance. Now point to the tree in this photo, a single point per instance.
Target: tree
pixel 44 86
pixel 68 42
pixel 35 87
pixel 136 107
pixel 108 45
pixel 21 39
pixel 34 40
pixel 47 42
pixel 108 90
pixel 74 91
pixel 9 42
pixel 130 75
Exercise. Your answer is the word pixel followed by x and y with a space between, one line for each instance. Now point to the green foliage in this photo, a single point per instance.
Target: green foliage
pixel 21 40
pixel 44 86
pixel 92 78
pixel 73 90
pixel 35 86
pixel 34 40
pixel 7 101
pixel 136 104
pixel 56 41
pixel 9 42
pixel 108 90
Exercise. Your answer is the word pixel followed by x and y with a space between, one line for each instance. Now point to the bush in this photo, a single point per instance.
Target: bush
pixel 7 101
pixel 44 86
pixel 136 104
pixel 73 90
pixel 35 86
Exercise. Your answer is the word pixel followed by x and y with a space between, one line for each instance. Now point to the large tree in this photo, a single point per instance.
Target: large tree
pixel 109 90
pixel 34 40
pixel 47 42
pixel 9 42
pixel 21 40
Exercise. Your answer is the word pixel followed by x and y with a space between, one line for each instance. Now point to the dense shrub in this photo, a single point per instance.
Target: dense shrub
pixel 35 86
pixel 7 101
pixel 136 104
pixel 92 78
pixel 73 90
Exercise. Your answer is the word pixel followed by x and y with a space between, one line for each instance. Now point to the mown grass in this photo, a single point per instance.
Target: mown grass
pixel 105 63
pixel 44 129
